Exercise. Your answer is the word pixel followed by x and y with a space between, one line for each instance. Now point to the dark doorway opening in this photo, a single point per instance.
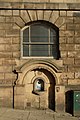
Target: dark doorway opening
pixel 69 101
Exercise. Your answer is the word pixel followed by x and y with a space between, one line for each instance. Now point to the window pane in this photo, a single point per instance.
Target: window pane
pixel 26 35
pixel 39 50
pixel 25 50
pixel 54 51
pixel 39 33
pixel 53 36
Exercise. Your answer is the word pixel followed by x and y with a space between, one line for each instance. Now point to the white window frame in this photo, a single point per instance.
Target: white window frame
pixel 29 57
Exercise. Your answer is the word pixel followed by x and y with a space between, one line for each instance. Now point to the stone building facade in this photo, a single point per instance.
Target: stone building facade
pixel 39 80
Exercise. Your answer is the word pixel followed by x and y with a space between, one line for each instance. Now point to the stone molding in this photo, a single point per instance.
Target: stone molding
pixel 52 67
pixel 40 5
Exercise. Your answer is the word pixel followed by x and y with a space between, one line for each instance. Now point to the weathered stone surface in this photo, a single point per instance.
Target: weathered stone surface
pixel 47 15
pixel 67 47
pixel 69 19
pixel 77 61
pixel 12 21
pixel 77 75
pixel 54 16
pixel 16 12
pixel 70 39
pixel 64 54
pixel 5 69
pixel 62 39
pixel 75 68
pixel 74 82
pixel 60 21
pixel 63 13
pixel 68 61
pixel 6 12
pixel 66 33
pixel 25 15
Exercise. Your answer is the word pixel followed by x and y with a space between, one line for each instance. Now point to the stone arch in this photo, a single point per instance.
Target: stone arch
pixel 38 64
pixel 27 16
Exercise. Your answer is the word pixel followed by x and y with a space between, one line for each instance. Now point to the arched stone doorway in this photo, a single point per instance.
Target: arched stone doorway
pixel 39 89
pixel 43 74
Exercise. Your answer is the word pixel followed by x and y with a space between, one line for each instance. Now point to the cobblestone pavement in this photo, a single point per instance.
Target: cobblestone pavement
pixel 33 114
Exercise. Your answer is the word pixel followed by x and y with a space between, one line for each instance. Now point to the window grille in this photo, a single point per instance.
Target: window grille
pixel 40 40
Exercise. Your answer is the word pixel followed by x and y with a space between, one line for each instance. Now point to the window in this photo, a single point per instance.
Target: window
pixel 38 85
pixel 40 40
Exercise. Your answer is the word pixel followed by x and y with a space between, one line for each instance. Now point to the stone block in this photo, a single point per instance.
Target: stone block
pixel 6 96
pixel 77 61
pixel 70 39
pixel 40 14
pixel 73 68
pixel 77 46
pixel 77 39
pixel 72 53
pixel 17 5
pixel 31 5
pixel 68 61
pixel 54 16
pixel 10 76
pixel 63 54
pixel 71 26
pixel 77 54
pixel 24 14
pixel 2 47
pixel 63 6
pixel 20 22
pixel 66 33
pixel 16 12
pixel 65 68
pixel 76 19
pixel 67 75
pixel 2 19
pixel 77 75
pixel 6 12
pixel 2 33
pixel 16 40
pixel 1 61
pixel 1 76
pixel 16 54
pixel 9 19
pixel 60 21
pixel 62 39
pixel 47 15
pixel 32 15
pixel 63 27
pixel 15 47
pixel 52 6
pixel 5 69
pixel 9 61
pixel 12 32
pixel 63 13
pixel 67 47
pixel 6 40
pixel 5 55
pixel 5 26
pixel 69 13
pixel 77 33
pixel 69 19
pixel 74 82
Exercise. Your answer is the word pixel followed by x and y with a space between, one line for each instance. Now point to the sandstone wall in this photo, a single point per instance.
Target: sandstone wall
pixel 13 17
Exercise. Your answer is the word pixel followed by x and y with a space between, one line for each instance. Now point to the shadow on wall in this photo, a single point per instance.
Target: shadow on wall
pixel 51 96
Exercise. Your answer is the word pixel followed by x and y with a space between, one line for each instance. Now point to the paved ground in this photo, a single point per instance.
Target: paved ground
pixel 33 114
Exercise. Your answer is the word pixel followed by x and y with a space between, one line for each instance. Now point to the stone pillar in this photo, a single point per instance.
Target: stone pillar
pixel 60 98
pixel 19 97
